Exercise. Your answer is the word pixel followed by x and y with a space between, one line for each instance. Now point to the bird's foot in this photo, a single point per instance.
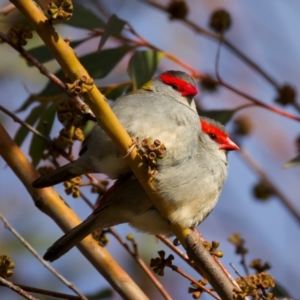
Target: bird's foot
pixel 135 143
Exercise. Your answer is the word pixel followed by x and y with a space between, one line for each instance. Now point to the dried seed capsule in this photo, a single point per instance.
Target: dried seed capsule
pixel 152 156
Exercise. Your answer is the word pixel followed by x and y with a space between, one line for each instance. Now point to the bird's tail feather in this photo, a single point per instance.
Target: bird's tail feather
pixel 56 176
pixel 70 239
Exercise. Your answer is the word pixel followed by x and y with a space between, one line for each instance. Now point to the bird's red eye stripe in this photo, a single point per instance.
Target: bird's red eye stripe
pixel 221 136
pixel 181 85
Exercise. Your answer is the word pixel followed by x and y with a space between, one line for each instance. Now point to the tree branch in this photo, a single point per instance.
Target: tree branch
pixel 44 292
pixel 208 266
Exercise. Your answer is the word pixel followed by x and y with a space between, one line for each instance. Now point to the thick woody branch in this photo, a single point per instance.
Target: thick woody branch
pixel 66 57
pixel 49 202
pixel 208 266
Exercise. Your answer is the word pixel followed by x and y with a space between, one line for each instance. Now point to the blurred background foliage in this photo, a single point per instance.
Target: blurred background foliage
pixel 258 56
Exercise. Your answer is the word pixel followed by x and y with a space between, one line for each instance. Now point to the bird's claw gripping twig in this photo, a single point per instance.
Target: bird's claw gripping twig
pixel 134 144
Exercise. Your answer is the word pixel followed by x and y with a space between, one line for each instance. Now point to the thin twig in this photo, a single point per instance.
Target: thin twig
pixel 257 169
pixel 217 260
pixel 257 102
pixel 244 264
pixel 191 279
pixel 47 265
pixel 142 264
pixel 237 272
pixel 95 182
pixel 44 137
pixel 114 85
pixel 178 252
pixel 45 292
pixel 166 54
pixel 86 200
pixel 28 126
pixel 100 184
pixel 296 105
pixel 16 288
pixel 144 43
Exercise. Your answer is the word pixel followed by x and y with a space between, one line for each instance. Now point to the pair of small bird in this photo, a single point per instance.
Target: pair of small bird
pixel 190 176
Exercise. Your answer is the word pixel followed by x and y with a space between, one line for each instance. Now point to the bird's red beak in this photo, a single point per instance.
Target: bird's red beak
pixel 229 145
pixel 189 90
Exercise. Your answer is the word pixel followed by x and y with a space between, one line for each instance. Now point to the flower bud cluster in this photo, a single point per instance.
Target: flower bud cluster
pixel 254 285
pixel 72 187
pixel 6 266
pixel 18 34
pixel 60 10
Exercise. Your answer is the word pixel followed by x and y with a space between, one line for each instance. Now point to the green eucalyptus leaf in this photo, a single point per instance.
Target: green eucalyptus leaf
pixel 112 94
pixel 87 127
pixel 142 66
pixel 223 116
pixel 84 18
pixel 37 144
pixel 113 27
pixel 43 54
pixel 44 97
pixel 279 291
pixel 99 64
pixel 103 294
pixel 31 120
pixel 293 163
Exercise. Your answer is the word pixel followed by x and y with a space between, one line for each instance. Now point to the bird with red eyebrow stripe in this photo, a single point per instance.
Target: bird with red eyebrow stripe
pixel 163 109
pixel 192 189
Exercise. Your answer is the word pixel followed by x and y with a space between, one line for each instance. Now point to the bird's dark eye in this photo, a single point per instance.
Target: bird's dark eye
pixel 213 136
pixel 174 87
